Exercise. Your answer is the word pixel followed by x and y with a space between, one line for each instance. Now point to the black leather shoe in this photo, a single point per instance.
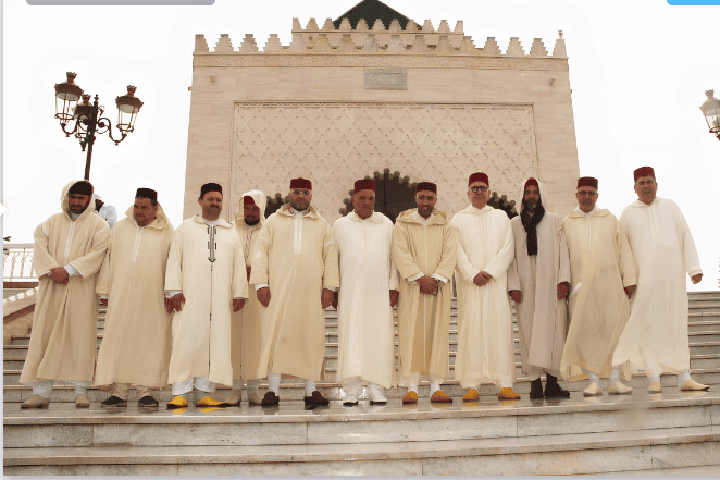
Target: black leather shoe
pixel 316 400
pixel 553 389
pixel 536 390
pixel 270 400
pixel 114 401
pixel 148 401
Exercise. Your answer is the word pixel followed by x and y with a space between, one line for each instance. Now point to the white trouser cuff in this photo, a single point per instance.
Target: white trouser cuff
pixel 253 385
pixel 352 386
pixel 274 382
pixel 309 387
pixel 593 376
pixel 201 383
pixel 684 376
pixel 42 388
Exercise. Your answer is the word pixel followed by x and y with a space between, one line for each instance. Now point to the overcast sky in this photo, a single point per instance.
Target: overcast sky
pixel 638 72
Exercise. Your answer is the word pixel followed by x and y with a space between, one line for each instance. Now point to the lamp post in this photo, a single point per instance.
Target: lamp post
pixel 88 116
pixel 711 109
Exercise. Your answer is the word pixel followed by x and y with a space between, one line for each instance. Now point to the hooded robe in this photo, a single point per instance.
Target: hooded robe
pixel 366 328
pixel 297 258
pixel 423 320
pixel 542 318
pixel 601 264
pixel 201 333
pixel 246 323
pixel 138 331
pixel 664 251
pixel 63 343
pixel 485 339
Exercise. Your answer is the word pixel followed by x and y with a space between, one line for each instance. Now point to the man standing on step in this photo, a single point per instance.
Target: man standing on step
pixel 69 251
pixel 603 278
pixel 247 327
pixel 539 283
pixel 485 332
pixel 207 281
pixel 424 246
pixel 138 326
pixel 295 273
pixel 366 331
pixel 656 335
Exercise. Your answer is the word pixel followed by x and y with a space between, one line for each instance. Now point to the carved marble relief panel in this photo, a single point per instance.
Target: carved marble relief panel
pixel 336 143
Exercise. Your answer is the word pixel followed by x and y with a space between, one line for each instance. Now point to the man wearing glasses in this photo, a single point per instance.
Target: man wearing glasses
pixel 603 278
pixel 295 272
pixel 485 251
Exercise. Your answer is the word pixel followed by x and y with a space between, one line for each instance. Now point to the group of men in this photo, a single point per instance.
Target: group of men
pixel 217 302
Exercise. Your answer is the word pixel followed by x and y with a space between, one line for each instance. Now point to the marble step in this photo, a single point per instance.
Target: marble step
pixel 63 425
pixel 673 450
pixel 704 326
pixel 704 306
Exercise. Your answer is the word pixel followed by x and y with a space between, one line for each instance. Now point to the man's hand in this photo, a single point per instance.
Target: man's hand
pixel 629 290
pixel 168 306
pixel 428 285
pixel 516 295
pixel 482 278
pixel 336 297
pixel 697 278
pixel 238 304
pixel 394 296
pixel 326 298
pixel 248 272
pixel 59 275
pixel 177 302
pixel 104 301
pixel 563 290
pixel 264 296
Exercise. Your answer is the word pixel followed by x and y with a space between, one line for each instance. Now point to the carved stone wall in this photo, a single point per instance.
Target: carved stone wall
pixel 336 143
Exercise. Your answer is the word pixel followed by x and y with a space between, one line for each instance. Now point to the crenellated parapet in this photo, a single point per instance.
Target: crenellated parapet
pixel 378 38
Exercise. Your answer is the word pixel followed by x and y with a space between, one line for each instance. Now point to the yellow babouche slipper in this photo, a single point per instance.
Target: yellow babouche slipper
pixel 208 401
pixel 440 397
pixel 410 398
pixel 471 395
pixel 177 402
pixel 506 393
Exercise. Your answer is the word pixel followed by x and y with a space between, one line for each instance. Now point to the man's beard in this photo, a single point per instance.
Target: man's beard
pixel 297 206
pixel 254 220
pixel 79 209
pixel 530 205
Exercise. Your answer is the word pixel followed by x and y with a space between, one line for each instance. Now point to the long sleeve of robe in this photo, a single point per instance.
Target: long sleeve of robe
pixel 665 252
pixel 366 331
pixel 63 343
pixel 485 340
pixel 201 333
pixel 423 320
pixel 601 264
pixel 137 338
pixel 247 324
pixel 542 318
pixel 297 263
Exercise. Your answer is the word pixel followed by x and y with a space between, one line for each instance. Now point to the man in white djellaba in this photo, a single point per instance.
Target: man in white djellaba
pixel 539 282
pixel 368 292
pixel 206 269
pixel 656 335
pixel 484 253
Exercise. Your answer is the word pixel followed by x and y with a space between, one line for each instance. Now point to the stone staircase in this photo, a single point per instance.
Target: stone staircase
pixel 676 431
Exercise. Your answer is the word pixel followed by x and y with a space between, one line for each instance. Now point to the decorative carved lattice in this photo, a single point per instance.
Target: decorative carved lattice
pixel 335 143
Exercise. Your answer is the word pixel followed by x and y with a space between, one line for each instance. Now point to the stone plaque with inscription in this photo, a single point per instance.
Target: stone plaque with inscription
pixel 385 79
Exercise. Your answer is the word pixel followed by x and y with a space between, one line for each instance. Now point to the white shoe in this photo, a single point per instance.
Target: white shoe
pixel 376 393
pixel 654 387
pixel 233 400
pixel 350 399
pixel 353 389
pixel 592 390
pixel 620 389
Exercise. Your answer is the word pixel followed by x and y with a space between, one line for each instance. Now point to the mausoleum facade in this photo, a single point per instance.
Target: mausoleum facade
pixel 384 97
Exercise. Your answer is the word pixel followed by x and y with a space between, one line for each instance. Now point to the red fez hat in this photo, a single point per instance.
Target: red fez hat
pixel 210 187
pixel 248 200
pixel 479 177
pixel 301 183
pixel 81 188
pixel 643 171
pixel 426 186
pixel 587 182
pixel 367 184
pixel 531 181
pixel 146 193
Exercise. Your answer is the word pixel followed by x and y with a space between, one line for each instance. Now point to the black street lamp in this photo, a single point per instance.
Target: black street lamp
pixel 711 109
pixel 88 116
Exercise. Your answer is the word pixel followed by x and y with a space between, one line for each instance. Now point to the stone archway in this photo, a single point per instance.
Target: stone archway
pixel 392 194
